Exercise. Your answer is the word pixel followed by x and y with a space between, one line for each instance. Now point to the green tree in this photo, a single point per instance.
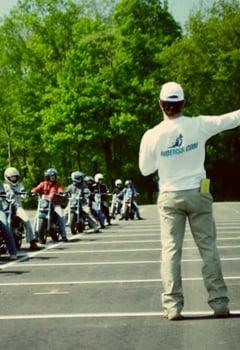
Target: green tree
pixel 206 61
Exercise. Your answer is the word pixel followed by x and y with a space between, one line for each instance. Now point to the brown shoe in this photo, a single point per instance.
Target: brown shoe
pixel 34 246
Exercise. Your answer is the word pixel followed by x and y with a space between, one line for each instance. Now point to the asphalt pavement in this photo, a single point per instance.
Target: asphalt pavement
pixel 103 291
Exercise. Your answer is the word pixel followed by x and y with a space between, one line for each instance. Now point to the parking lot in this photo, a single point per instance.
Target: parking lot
pixel 102 291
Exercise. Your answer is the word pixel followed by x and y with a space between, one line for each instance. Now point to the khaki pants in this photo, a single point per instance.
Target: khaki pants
pixel 174 209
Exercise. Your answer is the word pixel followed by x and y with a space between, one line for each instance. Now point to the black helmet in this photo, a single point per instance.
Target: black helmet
pixel 50 172
pixel 77 177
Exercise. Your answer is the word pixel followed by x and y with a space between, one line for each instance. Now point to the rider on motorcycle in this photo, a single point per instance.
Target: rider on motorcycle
pixel 7 234
pixel 96 212
pixel 116 204
pixel 100 188
pixel 79 187
pixel 129 191
pixel 50 187
pixel 13 188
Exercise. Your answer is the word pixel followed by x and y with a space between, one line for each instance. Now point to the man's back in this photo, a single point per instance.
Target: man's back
pixel 176 148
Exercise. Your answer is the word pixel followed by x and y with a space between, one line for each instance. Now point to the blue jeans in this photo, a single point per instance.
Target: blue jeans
pixel 61 223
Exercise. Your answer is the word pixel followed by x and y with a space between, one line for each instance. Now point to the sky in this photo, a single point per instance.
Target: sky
pixel 180 9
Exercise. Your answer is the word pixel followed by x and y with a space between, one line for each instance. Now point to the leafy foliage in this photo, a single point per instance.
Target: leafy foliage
pixel 79 84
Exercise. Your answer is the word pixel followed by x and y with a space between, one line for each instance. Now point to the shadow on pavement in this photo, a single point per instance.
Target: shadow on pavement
pixel 13 272
pixel 39 258
pixel 209 317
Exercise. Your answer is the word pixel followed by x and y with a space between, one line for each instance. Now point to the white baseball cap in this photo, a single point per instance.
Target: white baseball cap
pixel 171 92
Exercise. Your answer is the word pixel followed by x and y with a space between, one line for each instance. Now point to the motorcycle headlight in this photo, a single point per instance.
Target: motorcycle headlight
pixel 43 204
pixel 5 205
pixel 3 249
pixel 73 203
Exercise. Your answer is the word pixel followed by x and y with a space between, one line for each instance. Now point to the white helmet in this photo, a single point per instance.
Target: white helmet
pixel 128 182
pixel 98 177
pixel 9 172
pixel 118 182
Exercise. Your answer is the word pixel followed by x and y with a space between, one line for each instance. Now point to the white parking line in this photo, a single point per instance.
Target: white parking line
pixel 221 229
pixel 97 235
pixel 95 251
pixel 83 242
pixel 31 255
pixel 64 283
pixel 129 262
pixel 108 315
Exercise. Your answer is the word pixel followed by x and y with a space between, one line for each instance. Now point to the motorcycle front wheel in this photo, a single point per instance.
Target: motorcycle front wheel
pixel 126 213
pixel 18 241
pixel 74 226
pixel 18 231
pixel 42 231
pixel 54 235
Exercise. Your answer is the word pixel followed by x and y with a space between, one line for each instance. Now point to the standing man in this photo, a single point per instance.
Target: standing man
pixel 176 148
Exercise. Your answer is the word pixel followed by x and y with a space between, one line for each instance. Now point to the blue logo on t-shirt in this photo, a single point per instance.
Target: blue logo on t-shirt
pixel 176 150
pixel 178 142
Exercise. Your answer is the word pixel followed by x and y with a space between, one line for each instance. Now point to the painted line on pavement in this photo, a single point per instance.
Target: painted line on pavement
pixel 95 251
pixel 107 315
pixel 64 283
pixel 32 255
pixel 140 241
pixel 47 251
pixel 129 262
pixel 120 235
pixel 52 292
pixel 147 228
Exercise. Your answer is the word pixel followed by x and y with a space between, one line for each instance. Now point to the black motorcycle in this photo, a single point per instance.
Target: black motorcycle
pixel 15 223
pixel 47 221
pixel 128 207
pixel 76 216
pixel 3 245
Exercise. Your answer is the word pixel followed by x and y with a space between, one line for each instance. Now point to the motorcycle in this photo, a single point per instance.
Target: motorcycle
pixel 15 223
pixel 128 209
pixel 3 245
pixel 116 206
pixel 46 222
pixel 99 206
pixel 76 217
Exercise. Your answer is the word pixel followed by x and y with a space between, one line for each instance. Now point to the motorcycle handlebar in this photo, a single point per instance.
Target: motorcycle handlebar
pixel 61 194
pixel 9 195
pixel 21 193
pixel 33 194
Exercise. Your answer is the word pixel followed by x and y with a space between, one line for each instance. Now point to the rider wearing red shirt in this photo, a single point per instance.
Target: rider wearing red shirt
pixel 49 188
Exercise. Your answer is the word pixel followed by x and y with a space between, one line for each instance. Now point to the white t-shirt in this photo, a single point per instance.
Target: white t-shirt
pixel 176 148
